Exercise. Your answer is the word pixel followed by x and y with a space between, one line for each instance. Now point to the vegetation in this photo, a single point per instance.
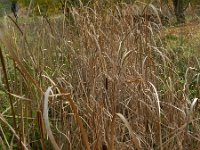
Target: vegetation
pixel 99 78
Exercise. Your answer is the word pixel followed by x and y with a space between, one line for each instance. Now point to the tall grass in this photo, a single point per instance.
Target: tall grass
pixel 97 79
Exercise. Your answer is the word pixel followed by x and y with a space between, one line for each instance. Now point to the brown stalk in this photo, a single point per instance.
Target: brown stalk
pixel 8 87
pixel 20 66
pixel 20 30
pixel 135 138
pixel 112 142
pixel 13 131
pixel 40 122
pixel 22 33
pixel 78 118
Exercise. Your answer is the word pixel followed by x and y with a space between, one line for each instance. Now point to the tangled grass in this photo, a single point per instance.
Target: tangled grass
pixel 96 79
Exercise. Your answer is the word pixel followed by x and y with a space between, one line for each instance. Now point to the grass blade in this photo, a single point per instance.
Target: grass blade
pixel 135 138
pixel 46 119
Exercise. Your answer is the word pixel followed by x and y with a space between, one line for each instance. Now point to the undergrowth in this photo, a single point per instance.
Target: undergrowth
pixel 99 79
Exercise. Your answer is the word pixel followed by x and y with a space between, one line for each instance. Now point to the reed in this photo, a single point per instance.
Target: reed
pixel 96 79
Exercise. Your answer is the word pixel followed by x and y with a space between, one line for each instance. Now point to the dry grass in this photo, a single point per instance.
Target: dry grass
pixel 112 84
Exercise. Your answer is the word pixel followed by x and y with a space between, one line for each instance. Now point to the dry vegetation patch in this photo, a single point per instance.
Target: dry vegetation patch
pixel 108 82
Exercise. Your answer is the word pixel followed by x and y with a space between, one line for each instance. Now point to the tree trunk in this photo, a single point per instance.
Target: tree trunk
pixel 179 10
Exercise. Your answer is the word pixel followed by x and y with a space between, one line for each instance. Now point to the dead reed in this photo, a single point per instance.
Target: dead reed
pixel 112 84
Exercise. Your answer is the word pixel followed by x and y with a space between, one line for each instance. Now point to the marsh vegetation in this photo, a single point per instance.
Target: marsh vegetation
pixel 99 78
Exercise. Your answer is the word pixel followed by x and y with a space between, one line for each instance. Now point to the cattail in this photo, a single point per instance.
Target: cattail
pixel 14 8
